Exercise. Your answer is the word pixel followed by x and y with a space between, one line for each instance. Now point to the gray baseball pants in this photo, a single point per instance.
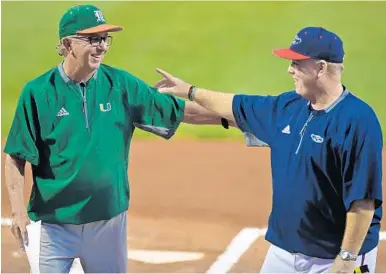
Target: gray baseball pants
pixel 98 247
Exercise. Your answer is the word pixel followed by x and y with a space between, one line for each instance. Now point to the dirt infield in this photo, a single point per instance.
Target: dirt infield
pixel 188 196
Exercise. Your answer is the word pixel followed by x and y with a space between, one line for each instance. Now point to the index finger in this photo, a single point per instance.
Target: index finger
pixel 164 73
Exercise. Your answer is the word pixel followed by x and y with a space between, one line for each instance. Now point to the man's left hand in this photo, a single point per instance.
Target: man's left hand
pixel 341 266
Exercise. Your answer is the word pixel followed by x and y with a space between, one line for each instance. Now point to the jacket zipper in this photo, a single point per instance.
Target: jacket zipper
pixel 83 94
pixel 303 131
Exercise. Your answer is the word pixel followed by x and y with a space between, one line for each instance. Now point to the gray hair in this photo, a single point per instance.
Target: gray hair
pixel 61 49
pixel 335 68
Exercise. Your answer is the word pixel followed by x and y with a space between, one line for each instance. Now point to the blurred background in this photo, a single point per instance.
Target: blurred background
pixel 196 192
pixel 218 45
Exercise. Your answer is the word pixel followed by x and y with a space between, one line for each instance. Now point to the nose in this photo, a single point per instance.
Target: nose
pixel 291 69
pixel 103 45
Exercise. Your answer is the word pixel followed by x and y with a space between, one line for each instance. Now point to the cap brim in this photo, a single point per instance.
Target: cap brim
pixel 289 54
pixel 101 28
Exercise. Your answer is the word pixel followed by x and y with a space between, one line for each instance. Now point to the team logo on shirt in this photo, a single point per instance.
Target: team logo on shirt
pixel 104 108
pixel 317 139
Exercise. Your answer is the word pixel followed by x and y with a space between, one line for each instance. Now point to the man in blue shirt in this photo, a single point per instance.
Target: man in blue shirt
pixel 326 156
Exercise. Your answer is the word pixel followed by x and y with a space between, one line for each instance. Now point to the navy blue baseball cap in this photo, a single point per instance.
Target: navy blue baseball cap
pixel 314 43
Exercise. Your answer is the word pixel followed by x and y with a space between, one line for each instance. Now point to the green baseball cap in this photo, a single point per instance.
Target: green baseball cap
pixel 84 19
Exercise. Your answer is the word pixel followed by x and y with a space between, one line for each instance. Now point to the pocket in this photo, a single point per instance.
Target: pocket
pixel 304 263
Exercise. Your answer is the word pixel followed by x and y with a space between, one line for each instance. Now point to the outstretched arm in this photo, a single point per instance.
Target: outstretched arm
pixel 254 115
pixel 214 101
pixel 218 102
pixel 195 114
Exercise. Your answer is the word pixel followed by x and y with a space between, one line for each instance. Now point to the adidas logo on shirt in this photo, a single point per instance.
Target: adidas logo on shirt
pixel 62 112
pixel 286 130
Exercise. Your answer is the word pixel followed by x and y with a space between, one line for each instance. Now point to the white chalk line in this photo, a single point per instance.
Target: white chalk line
pixel 243 240
pixel 6 222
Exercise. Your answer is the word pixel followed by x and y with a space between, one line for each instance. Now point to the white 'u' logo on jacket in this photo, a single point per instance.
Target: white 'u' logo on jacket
pixel 103 109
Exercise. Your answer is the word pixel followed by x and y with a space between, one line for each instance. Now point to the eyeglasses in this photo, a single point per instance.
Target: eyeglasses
pixel 95 40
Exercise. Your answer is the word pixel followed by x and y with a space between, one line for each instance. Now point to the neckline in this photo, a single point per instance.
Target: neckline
pixel 68 80
pixel 330 107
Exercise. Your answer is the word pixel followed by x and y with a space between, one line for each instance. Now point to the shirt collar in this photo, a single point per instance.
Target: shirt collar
pixel 333 105
pixel 66 79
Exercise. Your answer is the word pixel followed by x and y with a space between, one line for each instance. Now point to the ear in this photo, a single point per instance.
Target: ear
pixel 67 43
pixel 322 67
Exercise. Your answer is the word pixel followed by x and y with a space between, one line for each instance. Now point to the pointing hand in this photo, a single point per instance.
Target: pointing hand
pixel 172 85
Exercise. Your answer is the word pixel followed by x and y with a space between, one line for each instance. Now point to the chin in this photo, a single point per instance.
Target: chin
pixel 301 92
pixel 94 65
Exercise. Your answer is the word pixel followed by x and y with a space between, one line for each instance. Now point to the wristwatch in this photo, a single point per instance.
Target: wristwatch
pixel 347 256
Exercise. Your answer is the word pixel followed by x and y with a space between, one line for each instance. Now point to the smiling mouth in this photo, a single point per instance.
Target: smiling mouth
pixel 97 56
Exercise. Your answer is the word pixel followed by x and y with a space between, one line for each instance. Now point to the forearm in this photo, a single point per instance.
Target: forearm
pixel 217 102
pixel 195 114
pixel 358 221
pixel 14 178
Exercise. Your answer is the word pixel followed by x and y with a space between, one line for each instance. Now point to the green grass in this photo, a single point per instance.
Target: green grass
pixel 217 45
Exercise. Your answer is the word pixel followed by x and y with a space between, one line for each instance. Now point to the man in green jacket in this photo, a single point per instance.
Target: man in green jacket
pixel 74 124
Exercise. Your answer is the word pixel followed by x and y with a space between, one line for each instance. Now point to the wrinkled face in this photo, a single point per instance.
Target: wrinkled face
pixel 305 74
pixel 89 50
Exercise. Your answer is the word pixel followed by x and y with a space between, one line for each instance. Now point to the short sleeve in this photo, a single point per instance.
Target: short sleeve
pixel 362 163
pixel 158 113
pixel 25 130
pixel 255 116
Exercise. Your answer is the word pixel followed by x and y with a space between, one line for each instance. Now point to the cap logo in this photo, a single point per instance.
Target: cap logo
pixel 99 16
pixel 297 40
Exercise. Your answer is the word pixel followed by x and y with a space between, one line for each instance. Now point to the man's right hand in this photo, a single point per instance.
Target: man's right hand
pixel 219 103
pixel 172 85
pixel 19 228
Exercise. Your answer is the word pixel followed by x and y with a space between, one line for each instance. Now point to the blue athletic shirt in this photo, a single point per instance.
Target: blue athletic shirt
pixel 321 162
